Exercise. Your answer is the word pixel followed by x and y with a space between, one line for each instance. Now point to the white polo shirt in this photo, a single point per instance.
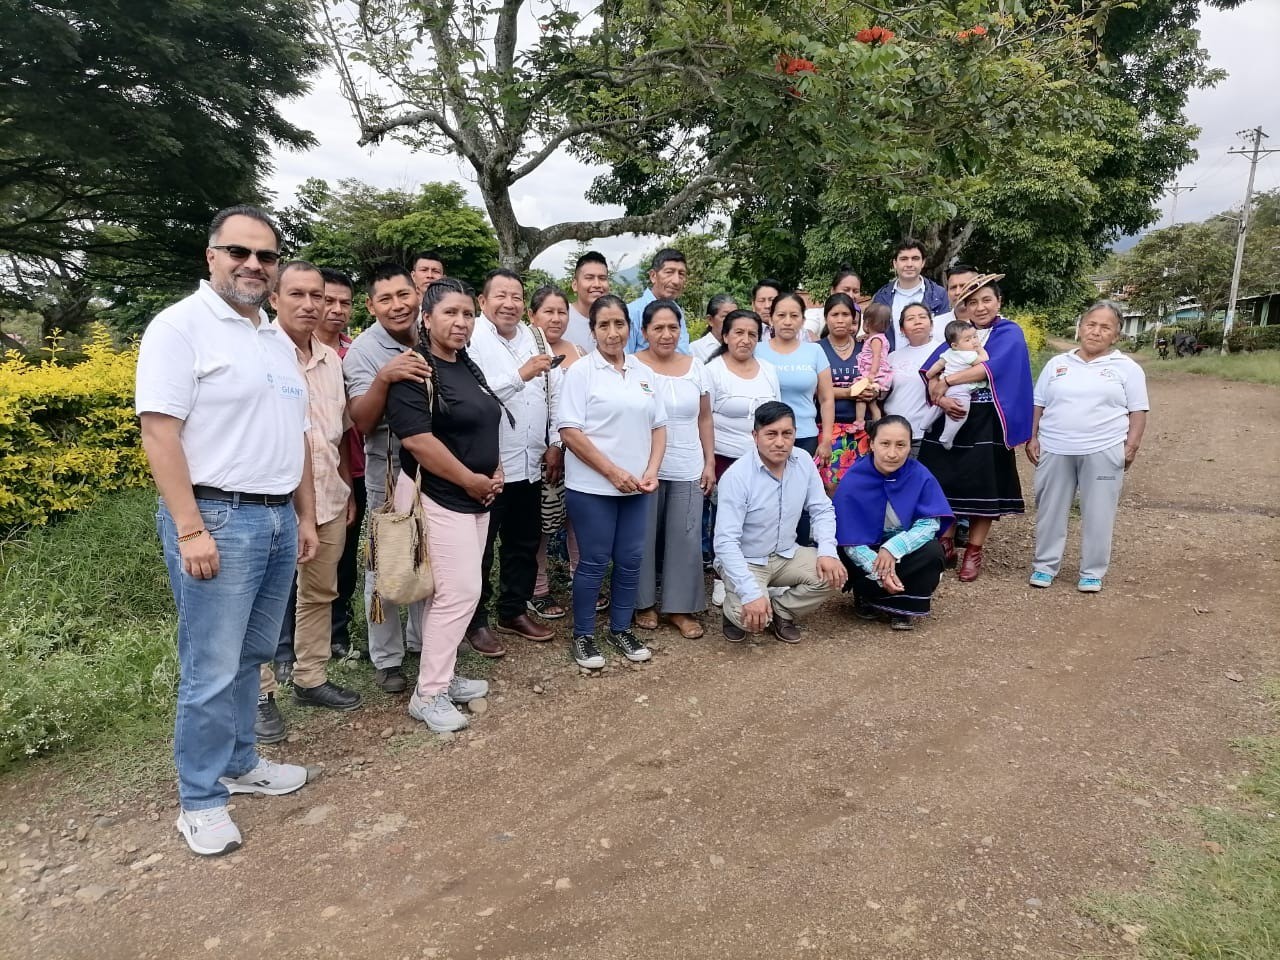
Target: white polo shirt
pixel 617 410
pixel 1087 403
pixel 940 326
pixel 533 404
pixel 236 388
pixel 704 347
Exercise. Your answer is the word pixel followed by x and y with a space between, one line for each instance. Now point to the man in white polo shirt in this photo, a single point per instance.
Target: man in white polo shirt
pixel 516 371
pixel 224 420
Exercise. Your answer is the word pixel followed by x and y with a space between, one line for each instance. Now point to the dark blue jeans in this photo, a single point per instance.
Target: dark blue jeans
pixel 228 626
pixel 608 529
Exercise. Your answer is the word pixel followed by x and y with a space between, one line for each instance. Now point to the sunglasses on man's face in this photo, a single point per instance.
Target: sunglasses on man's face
pixel 237 252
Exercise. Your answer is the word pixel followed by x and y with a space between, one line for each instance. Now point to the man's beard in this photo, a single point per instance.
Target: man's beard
pixel 229 293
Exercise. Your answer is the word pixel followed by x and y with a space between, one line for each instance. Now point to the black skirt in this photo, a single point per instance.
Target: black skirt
pixel 920 571
pixel 979 474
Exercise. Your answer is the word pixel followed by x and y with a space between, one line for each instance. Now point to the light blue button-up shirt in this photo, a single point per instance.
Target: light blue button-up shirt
pixel 757 515
pixel 637 340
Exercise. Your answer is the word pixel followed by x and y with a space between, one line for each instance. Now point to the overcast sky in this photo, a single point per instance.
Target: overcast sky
pixel 1243 42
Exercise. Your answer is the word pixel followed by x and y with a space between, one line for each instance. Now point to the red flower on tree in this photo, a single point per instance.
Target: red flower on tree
pixel 874 35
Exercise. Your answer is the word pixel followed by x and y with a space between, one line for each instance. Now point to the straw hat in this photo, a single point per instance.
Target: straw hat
pixel 974 285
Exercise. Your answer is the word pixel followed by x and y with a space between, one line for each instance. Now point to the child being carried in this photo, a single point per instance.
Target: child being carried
pixel 964 351
pixel 873 365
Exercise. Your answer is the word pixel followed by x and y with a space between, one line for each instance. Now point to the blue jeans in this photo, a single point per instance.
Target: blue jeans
pixel 608 528
pixel 227 627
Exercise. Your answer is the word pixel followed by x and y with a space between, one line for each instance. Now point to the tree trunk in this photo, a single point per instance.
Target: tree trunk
pixel 514 252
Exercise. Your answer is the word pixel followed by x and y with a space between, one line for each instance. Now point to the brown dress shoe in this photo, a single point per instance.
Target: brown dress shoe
pixel 732 632
pixel 525 626
pixel 785 630
pixel 485 643
pixel 971 565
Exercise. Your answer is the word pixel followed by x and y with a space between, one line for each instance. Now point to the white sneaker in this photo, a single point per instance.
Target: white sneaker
pixel 437 712
pixel 462 690
pixel 717 592
pixel 272 779
pixel 209 832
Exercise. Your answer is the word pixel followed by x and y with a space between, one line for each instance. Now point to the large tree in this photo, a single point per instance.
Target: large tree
pixel 696 104
pixel 355 227
pixel 1045 201
pixel 124 130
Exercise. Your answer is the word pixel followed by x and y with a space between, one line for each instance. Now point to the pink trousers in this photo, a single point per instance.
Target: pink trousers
pixel 542 585
pixel 456 542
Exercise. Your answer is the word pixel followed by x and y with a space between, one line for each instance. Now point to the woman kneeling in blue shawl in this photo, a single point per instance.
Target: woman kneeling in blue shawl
pixel 889 512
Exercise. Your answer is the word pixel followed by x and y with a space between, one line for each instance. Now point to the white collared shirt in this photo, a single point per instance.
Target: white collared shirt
pixel 533 404
pixel 904 298
pixel 236 388
pixel 704 347
pixel 618 410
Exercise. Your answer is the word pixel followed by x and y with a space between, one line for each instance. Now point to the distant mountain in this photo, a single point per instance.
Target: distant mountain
pixel 1126 243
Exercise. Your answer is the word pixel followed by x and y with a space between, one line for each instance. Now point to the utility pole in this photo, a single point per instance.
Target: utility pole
pixel 1253 154
pixel 1173 211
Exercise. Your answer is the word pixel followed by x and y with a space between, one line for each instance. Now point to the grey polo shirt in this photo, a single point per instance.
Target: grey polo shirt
pixel 372 350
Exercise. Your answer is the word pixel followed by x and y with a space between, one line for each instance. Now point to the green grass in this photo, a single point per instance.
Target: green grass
pixel 1221 899
pixel 86 629
pixel 1262 366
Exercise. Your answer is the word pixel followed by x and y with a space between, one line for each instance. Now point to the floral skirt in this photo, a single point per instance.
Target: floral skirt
pixel 847 448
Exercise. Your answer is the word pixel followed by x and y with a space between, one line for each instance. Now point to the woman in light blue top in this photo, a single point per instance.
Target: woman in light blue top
pixel 804 374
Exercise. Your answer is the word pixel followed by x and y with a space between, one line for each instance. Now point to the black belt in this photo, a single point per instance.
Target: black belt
pixel 228 496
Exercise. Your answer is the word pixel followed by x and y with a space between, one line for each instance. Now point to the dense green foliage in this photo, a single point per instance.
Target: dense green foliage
pixel 355 227
pixel 125 130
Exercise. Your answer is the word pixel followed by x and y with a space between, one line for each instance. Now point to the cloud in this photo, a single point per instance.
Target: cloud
pixel 1242 42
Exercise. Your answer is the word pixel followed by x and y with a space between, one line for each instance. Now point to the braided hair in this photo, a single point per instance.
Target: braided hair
pixel 431 298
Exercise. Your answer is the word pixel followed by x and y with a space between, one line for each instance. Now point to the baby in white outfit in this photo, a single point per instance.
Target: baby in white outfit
pixel 964 351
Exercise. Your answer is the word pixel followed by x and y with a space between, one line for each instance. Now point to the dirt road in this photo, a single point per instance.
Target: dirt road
pixel 944 794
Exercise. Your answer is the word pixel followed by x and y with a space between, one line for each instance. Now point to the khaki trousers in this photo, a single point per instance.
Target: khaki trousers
pixel 317 589
pixel 805 593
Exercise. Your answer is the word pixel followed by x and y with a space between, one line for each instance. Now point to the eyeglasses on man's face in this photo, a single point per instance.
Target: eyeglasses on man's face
pixel 240 254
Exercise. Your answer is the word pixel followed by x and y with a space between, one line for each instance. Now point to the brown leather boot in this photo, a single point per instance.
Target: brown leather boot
pixel 485 643
pixel 971 565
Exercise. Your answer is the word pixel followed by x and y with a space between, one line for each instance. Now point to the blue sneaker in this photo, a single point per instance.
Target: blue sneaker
pixel 1090 585
pixel 1039 579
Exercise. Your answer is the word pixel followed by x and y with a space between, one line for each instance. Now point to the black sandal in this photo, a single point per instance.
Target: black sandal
pixel 547 607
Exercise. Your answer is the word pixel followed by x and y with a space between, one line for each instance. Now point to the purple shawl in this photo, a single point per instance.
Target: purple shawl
pixel 860 500
pixel 1009 371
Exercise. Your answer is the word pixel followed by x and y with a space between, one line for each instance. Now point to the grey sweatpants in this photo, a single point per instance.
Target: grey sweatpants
pixel 1098 477
pixel 386 648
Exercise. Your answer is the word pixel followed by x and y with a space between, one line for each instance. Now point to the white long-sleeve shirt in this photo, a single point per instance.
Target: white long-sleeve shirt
pixel 533 404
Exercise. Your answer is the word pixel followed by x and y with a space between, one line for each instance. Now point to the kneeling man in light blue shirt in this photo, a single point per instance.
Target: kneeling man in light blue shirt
pixel 761 498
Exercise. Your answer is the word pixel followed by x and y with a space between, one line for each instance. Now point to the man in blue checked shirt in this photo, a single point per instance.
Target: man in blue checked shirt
pixel 761 498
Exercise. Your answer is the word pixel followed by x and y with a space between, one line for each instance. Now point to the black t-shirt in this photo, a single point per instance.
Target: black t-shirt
pixel 464 419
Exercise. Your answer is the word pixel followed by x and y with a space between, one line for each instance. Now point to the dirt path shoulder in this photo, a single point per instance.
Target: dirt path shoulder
pixel 945 794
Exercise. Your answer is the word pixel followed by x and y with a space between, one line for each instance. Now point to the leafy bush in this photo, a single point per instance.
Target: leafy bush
pixel 68 433
pixel 1248 339
pixel 1034 328
pixel 86 628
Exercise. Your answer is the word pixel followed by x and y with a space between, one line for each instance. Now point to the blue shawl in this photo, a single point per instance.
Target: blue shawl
pixel 1009 371
pixel 860 501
